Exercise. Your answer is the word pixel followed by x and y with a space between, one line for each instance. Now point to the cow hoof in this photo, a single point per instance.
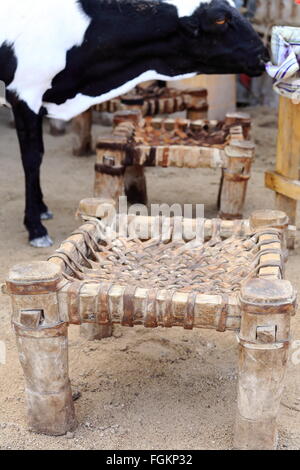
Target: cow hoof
pixel 42 242
pixel 47 215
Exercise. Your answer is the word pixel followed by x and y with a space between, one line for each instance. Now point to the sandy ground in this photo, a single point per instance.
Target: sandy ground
pixel 141 389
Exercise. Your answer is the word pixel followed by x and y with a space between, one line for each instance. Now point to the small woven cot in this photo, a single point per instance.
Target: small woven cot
pixel 227 275
pixel 138 143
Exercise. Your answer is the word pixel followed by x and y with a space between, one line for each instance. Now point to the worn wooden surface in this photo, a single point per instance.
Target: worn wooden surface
pixel 236 174
pixel 82 134
pixel 110 170
pixel 284 180
pixel 267 306
pixel 43 349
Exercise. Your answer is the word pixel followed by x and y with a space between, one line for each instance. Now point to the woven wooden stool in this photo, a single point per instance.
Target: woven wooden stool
pixel 138 143
pixel 231 281
pixel 150 101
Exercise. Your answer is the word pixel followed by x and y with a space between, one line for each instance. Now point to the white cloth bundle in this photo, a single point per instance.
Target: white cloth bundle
pixel 285 66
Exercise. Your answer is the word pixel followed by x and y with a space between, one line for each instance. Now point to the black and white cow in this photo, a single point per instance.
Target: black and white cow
pixel 60 57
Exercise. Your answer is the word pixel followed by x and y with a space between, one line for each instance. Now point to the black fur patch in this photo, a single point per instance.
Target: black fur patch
pixel 129 37
pixel 8 63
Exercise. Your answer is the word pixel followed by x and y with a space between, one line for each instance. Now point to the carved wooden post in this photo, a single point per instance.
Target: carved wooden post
pixel 43 346
pixel 239 154
pixel 135 179
pixel 266 307
pixel 240 119
pixel 109 168
pixel 82 134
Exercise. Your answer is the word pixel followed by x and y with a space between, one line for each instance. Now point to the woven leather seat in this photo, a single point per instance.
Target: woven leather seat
pixel 215 266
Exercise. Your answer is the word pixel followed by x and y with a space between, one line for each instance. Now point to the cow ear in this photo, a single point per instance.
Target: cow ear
pixel 190 26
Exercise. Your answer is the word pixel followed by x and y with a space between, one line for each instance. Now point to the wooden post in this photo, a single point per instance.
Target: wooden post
pixel 135 180
pixel 240 155
pixel 82 134
pixel 43 346
pixel 285 180
pixel 101 209
pixel 275 219
pixel 240 119
pixel 109 168
pixel 266 307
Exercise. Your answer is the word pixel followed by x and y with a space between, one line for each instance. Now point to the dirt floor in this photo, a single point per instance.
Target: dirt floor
pixel 140 389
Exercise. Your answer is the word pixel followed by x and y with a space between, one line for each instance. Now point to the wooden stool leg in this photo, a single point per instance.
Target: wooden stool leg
pixel 266 307
pixel 235 178
pixel 82 134
pixel 135 185
pixel 93 331
pixel 43 347
pixel 110 169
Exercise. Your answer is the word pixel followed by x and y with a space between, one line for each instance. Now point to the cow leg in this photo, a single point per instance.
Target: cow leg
pixel 82 131
pixel 30 134
pixel 44 211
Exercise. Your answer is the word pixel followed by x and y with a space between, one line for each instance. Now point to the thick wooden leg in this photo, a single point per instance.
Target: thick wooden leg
pixel 93 331
pixel 266 307
pixel 43 347
pixel 109 168
pixel 235 178
pixel 135 185
pixel 82 134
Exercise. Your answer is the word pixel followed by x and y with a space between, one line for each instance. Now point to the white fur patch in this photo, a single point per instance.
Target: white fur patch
pixel 81 102
pixel 187 7
pixel 42 31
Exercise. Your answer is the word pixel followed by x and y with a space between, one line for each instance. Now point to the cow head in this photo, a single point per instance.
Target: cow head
pixel 221 40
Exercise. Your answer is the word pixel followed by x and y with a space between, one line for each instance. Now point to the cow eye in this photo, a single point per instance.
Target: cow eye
pixel 221 21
